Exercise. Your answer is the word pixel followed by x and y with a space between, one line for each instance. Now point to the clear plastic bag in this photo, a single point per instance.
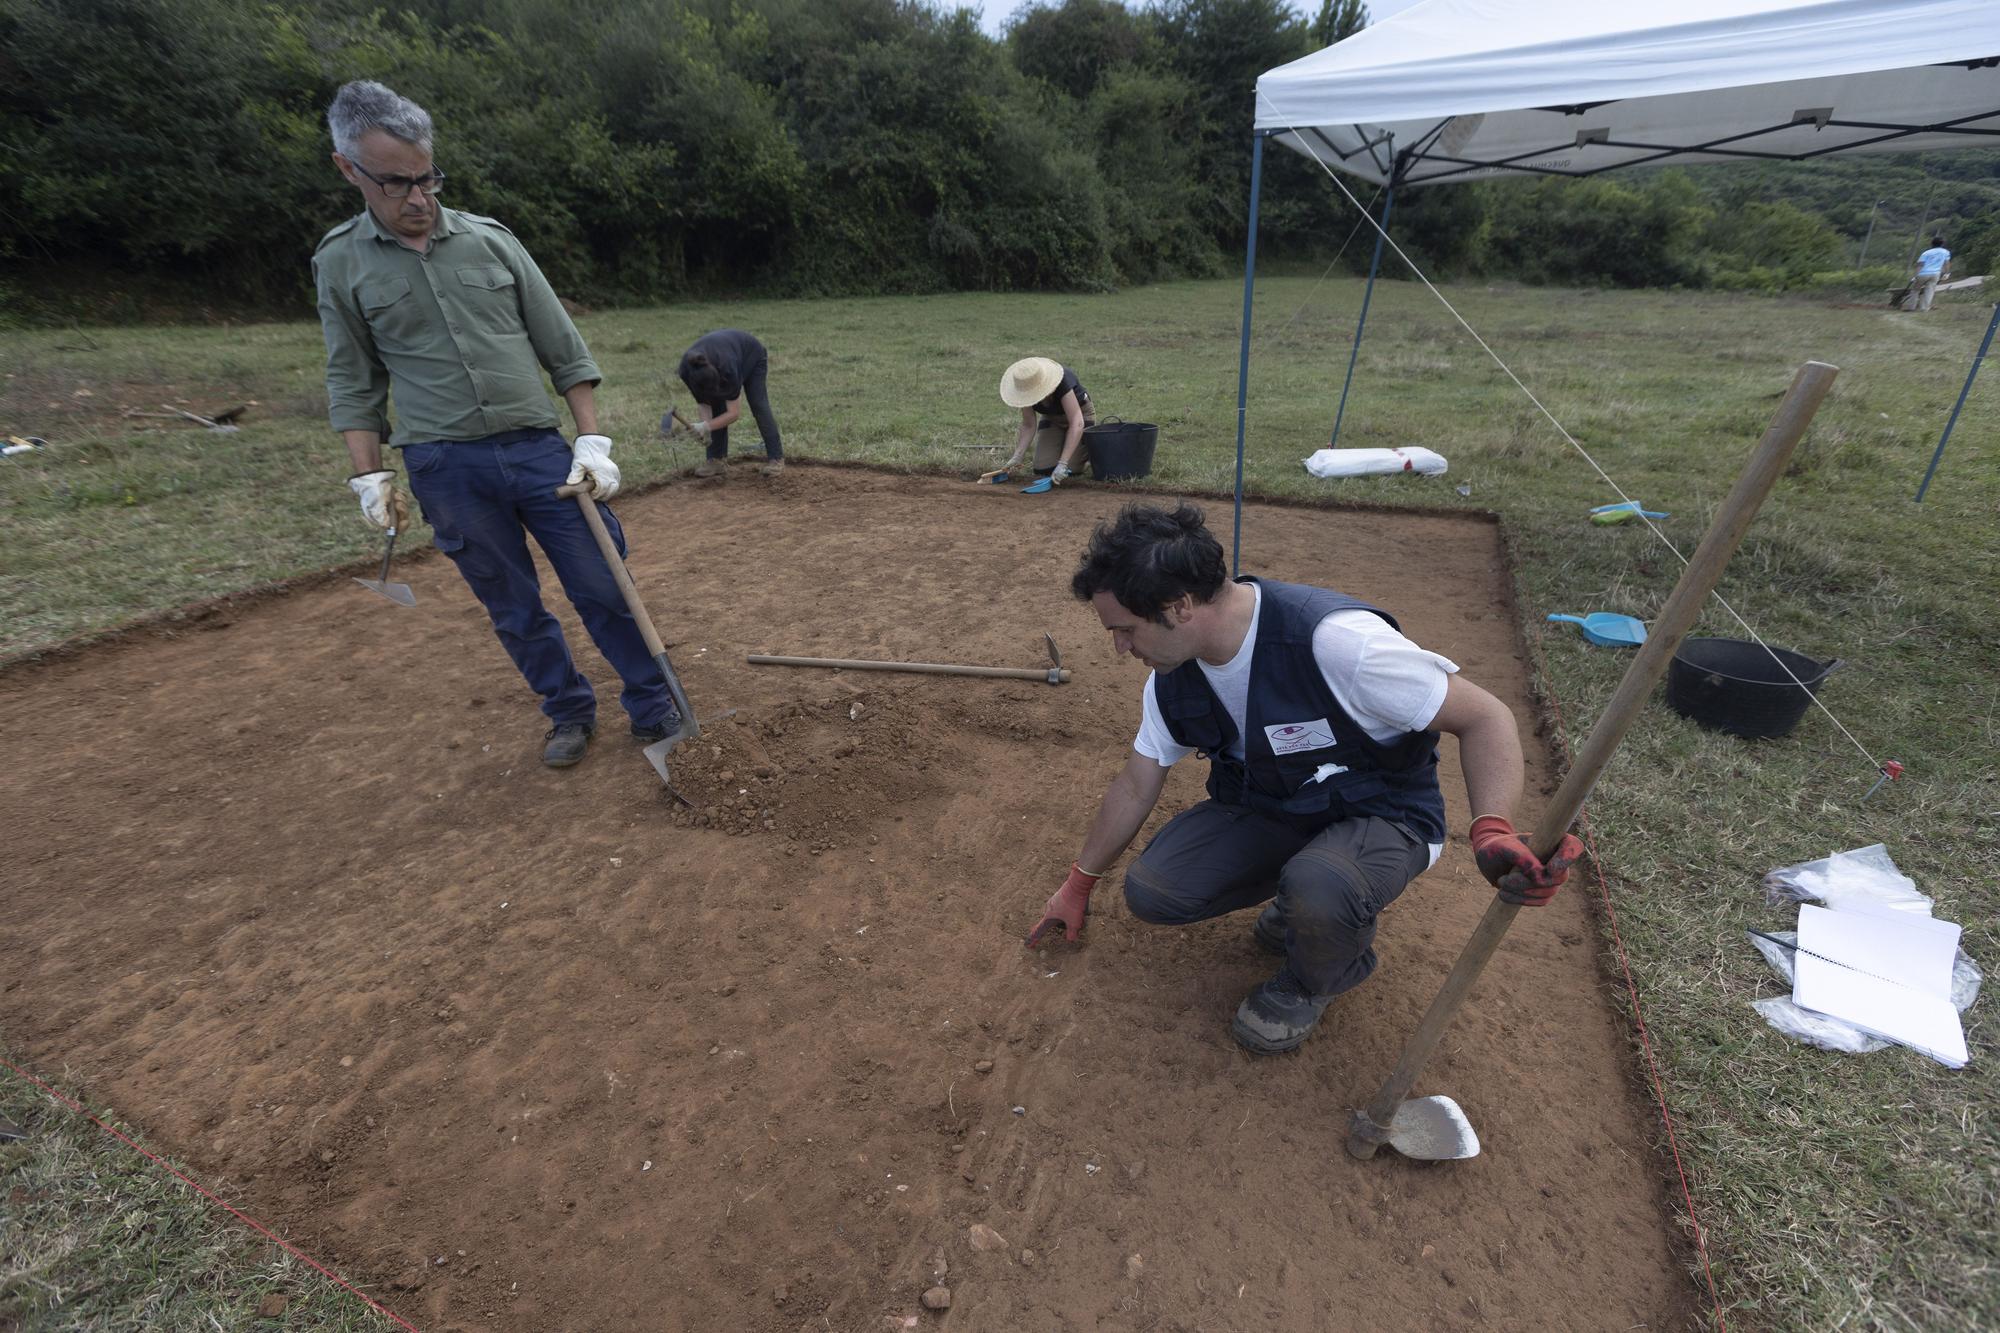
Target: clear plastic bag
pixel 1865 879
pixel 1866 873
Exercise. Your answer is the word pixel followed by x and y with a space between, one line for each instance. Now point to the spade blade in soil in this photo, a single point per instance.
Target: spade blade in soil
pixel 656 753
pixel 1432 1129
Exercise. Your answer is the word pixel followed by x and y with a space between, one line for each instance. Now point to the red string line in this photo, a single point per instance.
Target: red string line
pixel 1638 1015
pixel 205 1193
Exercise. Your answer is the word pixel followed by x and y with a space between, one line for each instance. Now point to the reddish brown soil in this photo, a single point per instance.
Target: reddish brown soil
pixel 291 891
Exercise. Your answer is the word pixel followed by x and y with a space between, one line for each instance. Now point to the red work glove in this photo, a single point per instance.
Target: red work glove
pixel 1067 906
pixel 1511 867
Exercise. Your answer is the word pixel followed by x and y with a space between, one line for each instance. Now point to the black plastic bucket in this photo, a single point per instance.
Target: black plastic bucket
pixel 1733 685
pixel 1120 450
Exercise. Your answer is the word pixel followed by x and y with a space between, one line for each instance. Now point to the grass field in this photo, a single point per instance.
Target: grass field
pixel 1837 1191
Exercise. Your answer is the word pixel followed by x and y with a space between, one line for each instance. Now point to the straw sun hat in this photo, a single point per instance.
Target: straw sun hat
pixel 1030 380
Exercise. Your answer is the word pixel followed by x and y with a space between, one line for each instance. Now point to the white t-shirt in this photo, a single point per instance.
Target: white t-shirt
pixel 1385 682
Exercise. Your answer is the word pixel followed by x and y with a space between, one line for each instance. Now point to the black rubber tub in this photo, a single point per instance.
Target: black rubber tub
pixel 1120 450
pixel 1733 685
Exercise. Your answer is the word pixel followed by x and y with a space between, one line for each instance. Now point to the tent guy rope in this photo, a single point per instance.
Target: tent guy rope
pixel 1875 764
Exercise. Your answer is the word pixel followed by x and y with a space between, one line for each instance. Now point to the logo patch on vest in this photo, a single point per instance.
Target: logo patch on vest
pixel 1296 737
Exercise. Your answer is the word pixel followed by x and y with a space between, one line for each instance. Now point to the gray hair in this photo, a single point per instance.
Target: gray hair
pixel 364 105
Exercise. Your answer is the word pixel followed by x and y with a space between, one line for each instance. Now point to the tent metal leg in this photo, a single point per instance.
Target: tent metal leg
pixel 1375 264
pixel 1243 356
pixel 1985 343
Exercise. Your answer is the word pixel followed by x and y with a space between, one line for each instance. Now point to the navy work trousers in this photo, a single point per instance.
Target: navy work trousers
pixel 483 498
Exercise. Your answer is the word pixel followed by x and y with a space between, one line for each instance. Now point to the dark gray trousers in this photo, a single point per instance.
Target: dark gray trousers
pixel 1329 885
pixel 758 397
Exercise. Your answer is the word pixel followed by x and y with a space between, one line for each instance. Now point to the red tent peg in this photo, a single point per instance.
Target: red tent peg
pixel 1890 772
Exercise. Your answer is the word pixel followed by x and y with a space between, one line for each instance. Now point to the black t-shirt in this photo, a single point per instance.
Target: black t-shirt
pixel 732 352
pixel 1051 406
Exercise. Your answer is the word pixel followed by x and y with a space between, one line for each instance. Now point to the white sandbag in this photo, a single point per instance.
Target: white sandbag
pixel 1368 462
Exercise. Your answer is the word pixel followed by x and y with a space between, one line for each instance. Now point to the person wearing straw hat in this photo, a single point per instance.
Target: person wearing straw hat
pixel 1055 410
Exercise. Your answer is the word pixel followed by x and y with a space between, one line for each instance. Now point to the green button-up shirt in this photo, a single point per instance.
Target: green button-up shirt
pixel 464 329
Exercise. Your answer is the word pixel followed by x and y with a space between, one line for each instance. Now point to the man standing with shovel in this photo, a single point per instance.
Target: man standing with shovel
pixel 1320 723
pixel 451 310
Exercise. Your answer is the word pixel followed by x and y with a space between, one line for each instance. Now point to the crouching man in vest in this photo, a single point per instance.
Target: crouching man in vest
pixel 1320 724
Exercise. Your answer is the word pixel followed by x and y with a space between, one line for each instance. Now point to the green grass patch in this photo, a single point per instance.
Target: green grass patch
pixel 95 1237
pixel 1838 1191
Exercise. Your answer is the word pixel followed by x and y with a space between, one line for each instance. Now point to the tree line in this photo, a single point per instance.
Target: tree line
pixel 645 149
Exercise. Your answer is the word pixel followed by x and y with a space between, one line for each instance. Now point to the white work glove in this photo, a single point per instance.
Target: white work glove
pixel 1061 474
pixel 698 429
pixel 380 504
pixel 593 459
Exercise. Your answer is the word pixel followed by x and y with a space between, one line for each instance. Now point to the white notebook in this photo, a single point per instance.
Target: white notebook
pixel 1886 973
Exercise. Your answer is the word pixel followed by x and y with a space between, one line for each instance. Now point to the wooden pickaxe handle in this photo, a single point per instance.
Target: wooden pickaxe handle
pixel 1054 675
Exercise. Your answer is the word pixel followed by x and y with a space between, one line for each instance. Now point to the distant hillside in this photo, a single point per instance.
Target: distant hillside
pixel 1956 194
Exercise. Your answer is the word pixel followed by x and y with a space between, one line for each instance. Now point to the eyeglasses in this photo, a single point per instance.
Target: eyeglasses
pixel 399 187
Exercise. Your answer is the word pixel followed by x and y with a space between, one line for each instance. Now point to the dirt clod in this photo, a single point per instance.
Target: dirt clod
pixel 937 1298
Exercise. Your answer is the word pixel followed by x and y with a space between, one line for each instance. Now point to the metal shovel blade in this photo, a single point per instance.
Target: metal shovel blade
pixel 1432 1129
pixel 656 755
pixel 399 593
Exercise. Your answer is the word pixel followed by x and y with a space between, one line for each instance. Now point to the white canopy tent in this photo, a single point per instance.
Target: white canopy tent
pixel 1458 90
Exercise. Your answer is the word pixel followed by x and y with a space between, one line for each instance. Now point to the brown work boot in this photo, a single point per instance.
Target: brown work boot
pixel 773 467
pixel 711 467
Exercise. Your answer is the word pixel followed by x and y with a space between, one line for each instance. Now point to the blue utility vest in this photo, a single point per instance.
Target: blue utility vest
pixel 1295 726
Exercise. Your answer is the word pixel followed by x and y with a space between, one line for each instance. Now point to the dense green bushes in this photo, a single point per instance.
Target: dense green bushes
pixel 644 148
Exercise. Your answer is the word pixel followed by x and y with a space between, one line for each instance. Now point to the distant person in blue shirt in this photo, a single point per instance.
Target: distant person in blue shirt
pixel 721 370
pixel 1933 266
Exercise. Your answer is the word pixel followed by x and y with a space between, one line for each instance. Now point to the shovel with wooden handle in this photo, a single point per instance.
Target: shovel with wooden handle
pixel 1435 1128
pixel 656 753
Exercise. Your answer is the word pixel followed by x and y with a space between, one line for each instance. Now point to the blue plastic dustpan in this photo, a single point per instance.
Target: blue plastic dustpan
pixel 1607 629
pixel 1042 487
